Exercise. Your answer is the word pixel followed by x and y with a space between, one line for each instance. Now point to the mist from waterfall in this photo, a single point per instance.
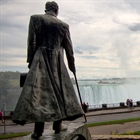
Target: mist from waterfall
pixel 95 92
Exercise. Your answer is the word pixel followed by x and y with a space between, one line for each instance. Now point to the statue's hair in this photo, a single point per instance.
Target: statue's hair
pixel 51 6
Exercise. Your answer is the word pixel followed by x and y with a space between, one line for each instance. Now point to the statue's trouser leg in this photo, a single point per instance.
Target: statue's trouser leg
pixel 57 126
pixel 39 127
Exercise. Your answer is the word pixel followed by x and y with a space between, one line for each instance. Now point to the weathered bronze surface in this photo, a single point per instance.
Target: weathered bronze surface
pixel 48 94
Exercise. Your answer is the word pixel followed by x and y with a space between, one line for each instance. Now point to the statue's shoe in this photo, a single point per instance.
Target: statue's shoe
pixel 36 136
pixel 62 127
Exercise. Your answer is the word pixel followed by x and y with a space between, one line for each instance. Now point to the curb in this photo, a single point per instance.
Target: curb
pixel 88 115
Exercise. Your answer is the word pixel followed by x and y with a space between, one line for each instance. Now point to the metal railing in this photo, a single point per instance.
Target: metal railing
pixel 113 105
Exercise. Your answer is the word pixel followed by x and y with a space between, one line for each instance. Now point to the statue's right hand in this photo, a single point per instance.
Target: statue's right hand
pixel 29 65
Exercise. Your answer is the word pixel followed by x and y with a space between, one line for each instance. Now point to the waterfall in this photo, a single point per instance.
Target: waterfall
pixel 95 93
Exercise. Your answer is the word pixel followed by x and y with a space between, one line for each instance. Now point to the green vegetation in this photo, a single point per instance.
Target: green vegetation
pixel 132 133
pixel 9 79
pixel 117 122
pixel 113 122
pixel 13 135
pixel 9 75
pixel 9 89
pixel 14 82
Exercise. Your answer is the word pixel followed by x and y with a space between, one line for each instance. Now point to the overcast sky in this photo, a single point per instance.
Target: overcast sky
pixel 105 35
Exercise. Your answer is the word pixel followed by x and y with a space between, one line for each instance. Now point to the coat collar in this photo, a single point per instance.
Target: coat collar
pixel 51 13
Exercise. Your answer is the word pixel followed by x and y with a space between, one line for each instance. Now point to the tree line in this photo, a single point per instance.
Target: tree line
pixel 9 79
pixel 9 88
pixel 9 75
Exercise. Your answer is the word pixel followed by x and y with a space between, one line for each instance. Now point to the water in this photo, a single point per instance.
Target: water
pixel 108 91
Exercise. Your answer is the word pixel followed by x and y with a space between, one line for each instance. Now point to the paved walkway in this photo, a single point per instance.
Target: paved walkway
pixel 111 111
pixel 94 113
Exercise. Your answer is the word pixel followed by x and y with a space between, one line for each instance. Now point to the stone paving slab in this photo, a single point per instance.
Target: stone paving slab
pixel 115 137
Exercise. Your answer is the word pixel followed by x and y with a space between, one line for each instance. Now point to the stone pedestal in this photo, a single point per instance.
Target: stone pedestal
pixel 75 131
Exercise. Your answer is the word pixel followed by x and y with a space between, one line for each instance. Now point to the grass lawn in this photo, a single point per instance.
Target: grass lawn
pixel 117 122
pixel 113 122
pixel 132 133
pixel 14 135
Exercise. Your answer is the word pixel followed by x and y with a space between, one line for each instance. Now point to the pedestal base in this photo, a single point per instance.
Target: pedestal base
pixel 75 131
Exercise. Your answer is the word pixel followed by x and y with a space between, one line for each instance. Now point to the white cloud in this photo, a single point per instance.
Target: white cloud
pixel 105 34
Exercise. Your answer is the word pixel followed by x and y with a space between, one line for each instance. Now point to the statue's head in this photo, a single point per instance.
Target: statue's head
pixel 52 6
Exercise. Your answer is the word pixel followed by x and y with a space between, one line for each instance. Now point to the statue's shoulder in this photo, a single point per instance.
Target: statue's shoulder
pixel 36 16
pixel 63 23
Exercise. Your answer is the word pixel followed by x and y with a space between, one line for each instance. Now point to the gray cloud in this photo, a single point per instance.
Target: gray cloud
pixel 10 23
pixel 5 56
pixel 134 4
pixel 89 57
pixel 78 51
pixel 87 48
pixel 134 27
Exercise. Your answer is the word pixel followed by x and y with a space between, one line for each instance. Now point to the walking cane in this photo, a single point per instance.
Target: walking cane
pixel 79 94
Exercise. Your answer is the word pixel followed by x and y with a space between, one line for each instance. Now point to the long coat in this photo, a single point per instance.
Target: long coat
pixel 48 94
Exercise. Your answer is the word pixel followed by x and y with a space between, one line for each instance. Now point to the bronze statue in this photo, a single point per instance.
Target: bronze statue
pixel 48 94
